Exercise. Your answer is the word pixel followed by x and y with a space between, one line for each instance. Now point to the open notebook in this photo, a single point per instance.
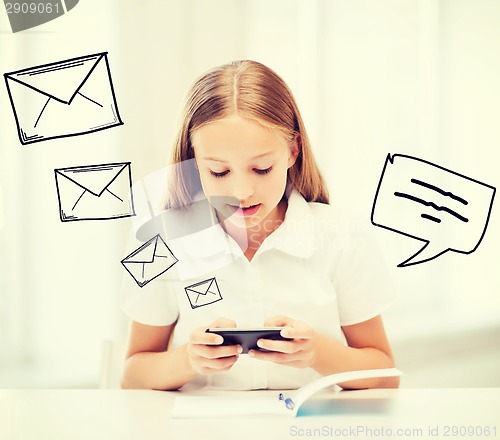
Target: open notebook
pixel 268 404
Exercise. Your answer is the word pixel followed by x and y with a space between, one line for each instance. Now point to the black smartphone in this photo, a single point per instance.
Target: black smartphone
pixel 248 337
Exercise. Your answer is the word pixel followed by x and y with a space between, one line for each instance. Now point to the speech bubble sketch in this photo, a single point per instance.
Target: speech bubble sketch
pixel 28 14
pixel 66 98
pixel 427 202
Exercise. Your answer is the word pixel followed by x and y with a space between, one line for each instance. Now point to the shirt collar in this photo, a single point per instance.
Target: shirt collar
pixel 208 243
pixel 294 236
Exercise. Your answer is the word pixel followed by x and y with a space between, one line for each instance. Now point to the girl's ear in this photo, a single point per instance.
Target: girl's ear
pixel 294 150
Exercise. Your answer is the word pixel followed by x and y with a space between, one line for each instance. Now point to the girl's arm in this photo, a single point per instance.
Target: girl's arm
pixel 368 348
pixel 151 364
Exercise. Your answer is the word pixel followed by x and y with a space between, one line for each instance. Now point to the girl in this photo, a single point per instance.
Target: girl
pixel 277 254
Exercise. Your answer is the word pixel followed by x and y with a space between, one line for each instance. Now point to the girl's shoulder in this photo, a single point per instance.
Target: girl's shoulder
pixel 335 219
pixel 333 212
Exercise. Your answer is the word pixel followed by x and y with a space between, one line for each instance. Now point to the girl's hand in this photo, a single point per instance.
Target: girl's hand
pixel 206 354
pixel 300 352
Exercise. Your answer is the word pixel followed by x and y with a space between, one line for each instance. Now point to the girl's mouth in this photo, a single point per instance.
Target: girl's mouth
pixel 245 211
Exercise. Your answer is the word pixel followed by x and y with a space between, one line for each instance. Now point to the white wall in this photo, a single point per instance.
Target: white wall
pixel 418 77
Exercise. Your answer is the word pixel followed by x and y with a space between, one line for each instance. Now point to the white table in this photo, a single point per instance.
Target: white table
pixel 137 415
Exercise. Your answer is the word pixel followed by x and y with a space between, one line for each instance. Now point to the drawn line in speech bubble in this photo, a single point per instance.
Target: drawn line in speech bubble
pixel 433 205
pixel 414 195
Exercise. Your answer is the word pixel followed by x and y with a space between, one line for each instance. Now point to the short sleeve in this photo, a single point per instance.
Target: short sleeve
pixel 154 303
pixel 361 278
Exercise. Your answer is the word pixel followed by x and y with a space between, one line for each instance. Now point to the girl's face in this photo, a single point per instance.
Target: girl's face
pixel 243 168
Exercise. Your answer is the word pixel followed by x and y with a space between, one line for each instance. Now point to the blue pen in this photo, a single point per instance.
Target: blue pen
pixel 289 403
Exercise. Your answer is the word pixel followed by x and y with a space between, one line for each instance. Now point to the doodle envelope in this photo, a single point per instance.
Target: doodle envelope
pixel 66 98
pixel 203 293
pixel 149 261
pixel 95 192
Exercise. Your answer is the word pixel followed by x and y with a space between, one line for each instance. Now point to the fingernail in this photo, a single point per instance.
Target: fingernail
pixel 219 340
pixel 251 353
pixel 239 349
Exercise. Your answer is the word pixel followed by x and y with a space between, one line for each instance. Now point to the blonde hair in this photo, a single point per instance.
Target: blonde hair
pixel 251 90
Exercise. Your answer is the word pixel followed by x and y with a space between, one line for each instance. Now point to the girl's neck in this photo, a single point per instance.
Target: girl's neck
pixel 250 239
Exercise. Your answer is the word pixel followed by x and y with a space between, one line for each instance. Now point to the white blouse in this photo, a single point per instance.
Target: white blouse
pixel 317 267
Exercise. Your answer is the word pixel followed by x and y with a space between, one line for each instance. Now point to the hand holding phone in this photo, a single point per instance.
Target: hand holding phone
pixel 206 354
pixel 248 337
pixel 300 351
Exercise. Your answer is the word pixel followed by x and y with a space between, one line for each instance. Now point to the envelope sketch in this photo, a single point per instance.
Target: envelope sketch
pixel 149 261
pixel 203 293
pixel 95 192
pixel 66 98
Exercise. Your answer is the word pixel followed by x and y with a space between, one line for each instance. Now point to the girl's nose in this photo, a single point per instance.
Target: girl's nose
pixel 242 189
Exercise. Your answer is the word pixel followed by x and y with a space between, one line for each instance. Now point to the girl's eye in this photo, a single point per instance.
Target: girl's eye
pixel 219 175
pixel 262 172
